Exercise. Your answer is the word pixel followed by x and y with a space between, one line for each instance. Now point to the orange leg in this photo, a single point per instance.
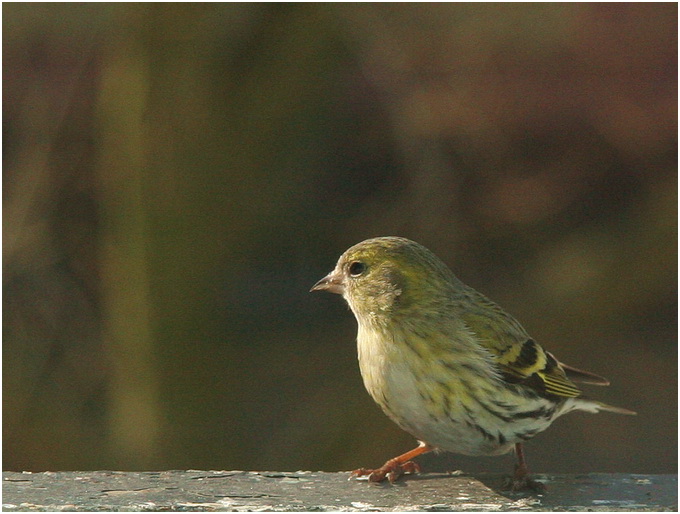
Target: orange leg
pixel 521 480
pixel 394 468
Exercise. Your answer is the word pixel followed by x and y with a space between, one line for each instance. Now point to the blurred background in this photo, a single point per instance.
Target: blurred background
pixel 177 176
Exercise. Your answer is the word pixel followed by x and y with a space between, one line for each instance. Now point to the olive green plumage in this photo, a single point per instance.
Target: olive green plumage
pixel 444 362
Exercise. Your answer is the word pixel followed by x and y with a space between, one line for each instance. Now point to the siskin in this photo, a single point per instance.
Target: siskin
pixel 447 364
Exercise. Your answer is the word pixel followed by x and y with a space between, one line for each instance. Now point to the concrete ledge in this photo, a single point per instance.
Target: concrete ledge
pixel 318 491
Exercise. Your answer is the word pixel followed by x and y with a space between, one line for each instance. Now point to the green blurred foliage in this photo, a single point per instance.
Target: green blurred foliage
pixel 176 177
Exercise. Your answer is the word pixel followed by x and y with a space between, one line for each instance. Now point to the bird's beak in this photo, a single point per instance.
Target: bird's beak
pixel 332 283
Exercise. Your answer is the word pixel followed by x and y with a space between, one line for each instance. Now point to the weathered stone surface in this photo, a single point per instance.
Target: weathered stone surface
pixel 318 491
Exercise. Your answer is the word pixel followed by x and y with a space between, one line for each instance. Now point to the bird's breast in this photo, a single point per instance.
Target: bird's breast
pixel 443 400
pixel 411 385
pixel 388 375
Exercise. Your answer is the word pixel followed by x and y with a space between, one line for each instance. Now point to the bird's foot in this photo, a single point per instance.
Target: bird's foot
pixel 521 481
pixel 391 470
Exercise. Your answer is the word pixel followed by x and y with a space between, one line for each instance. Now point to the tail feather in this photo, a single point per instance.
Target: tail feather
pixel 588 405
pixel 617 410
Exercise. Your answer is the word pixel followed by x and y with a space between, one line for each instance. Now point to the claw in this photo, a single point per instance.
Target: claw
pixel 525 483
pixel 392 470
pixel 521 480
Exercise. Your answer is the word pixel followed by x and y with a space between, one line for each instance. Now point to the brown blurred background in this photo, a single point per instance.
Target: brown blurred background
pixel 177 176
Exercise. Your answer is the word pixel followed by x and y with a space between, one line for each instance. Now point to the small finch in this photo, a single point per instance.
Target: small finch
pixel 445 363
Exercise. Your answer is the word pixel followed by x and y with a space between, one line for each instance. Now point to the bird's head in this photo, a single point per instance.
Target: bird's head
pixel 385 277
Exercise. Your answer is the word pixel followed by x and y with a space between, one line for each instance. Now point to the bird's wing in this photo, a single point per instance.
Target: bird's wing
pixel 519 358
pixel 582 376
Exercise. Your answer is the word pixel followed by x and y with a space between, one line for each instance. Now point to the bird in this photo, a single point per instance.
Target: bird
pixel 448 365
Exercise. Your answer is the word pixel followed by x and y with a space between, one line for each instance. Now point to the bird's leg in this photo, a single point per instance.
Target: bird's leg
pixel 394 468
pixel 521 480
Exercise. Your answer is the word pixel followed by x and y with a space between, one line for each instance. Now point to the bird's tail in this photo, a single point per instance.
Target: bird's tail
pixel 617 410
pixel 595 406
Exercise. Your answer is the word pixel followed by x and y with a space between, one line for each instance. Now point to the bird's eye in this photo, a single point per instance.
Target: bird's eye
pixel 356 268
